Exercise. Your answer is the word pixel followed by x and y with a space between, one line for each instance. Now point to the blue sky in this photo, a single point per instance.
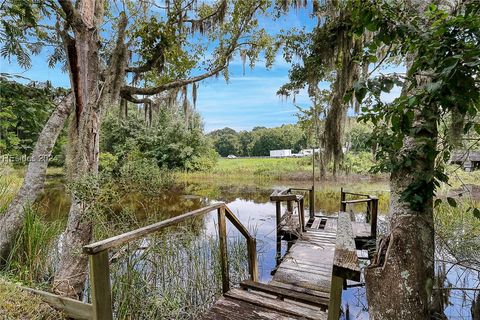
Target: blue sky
pixel 245 102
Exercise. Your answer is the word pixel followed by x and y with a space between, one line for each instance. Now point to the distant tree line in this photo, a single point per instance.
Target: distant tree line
pixel 259 141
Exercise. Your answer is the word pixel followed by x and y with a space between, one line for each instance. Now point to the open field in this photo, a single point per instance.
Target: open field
pixel 283 169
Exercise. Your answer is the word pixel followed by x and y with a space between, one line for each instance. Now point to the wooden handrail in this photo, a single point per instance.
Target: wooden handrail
pixel 356 201
pixel 372 208
pixel 141 232
pixel 100 265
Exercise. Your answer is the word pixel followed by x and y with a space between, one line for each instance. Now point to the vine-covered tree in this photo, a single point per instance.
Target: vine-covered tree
pixel 438 42
pixel 123 49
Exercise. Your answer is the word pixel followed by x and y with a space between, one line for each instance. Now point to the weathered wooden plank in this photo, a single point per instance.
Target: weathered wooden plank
pixel 286 197
pixel 237 224
pixel 232 309
pixel 72 308
pixel 285 293
pixel 283 307
pixel 100 283
pixel 293 288
pixel 361 230
pixel 252 258
pixel 335 298
pixel 345 263
pixel 141 232
pixel 356 201
pixel 316 223
pixel 222 233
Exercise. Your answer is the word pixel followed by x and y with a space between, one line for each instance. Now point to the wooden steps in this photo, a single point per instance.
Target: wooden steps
pixel 287 293
pixel 263 301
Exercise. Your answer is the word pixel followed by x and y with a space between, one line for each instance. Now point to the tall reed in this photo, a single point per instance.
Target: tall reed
pixel 30 259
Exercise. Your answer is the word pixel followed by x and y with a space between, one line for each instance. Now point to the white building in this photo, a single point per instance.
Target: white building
pixel 308 152
pixel 280 153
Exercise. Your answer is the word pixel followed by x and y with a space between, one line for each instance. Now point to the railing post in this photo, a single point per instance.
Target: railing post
pixel 343 206
pixel 335 302
pixel 222 232
pixel 374 217
pixel 368 217
pixel 100 283
pixel 290 206
pixel 279 236
pixel 252 258
pixel 311 199
pixel 301 213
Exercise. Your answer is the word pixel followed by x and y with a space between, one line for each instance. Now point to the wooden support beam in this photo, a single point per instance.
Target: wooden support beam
pixel 252 259
pixel 100 283
pixel 301 213
pixel 374 217
pixel 345 262
pixel 279 236
pixel 343 205
pixel 72 308
pixel 335 298
pixel 222 233
pixel 311 199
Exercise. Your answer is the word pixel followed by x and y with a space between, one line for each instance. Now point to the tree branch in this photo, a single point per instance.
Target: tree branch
pixel 222 63
pixel 72 16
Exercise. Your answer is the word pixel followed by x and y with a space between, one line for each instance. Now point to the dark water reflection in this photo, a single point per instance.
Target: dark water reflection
pixel 249 202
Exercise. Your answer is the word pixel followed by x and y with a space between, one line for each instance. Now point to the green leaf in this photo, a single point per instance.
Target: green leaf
pixel 452 202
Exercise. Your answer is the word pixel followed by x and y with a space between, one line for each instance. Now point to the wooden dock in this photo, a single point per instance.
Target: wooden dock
pixel 308 281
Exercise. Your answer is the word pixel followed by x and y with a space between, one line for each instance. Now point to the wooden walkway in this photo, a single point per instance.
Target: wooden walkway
pixel 308 281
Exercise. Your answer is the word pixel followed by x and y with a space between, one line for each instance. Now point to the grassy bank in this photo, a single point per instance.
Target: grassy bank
pixel 298 169
pixel 18 304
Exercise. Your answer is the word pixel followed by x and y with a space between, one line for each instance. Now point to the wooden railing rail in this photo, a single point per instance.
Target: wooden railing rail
pixel 311 199
pixel 372 207
pixel 71 308
pixel 100 264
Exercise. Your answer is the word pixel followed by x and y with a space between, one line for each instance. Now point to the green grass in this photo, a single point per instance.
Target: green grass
pixel 254 169
pixel 18 304
pixel 30 260
pixel 299 169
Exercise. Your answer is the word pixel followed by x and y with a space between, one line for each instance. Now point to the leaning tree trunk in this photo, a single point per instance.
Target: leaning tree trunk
pixel 12 220
pixel 92 97
pixel 400 279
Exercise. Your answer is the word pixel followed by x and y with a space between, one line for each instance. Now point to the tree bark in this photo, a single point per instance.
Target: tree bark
pixel 400 279
pixel 92 97
pixel 33 183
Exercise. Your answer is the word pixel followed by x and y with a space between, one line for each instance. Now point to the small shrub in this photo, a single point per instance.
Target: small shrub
pixel 144 175
pixel 108 162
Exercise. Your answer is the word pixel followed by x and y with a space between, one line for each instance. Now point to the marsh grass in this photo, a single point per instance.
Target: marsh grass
pixel 10 183
pixel 458 231
pixel 30 258
pixel 172 275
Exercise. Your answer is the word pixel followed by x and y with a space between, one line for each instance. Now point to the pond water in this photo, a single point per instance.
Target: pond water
pixel 250 203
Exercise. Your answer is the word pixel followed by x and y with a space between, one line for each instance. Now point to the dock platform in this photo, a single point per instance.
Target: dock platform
pixel 308 280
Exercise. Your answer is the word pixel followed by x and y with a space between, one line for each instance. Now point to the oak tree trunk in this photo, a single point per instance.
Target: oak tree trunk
pixel 400 279
pixel 33 183
pixel 95 91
